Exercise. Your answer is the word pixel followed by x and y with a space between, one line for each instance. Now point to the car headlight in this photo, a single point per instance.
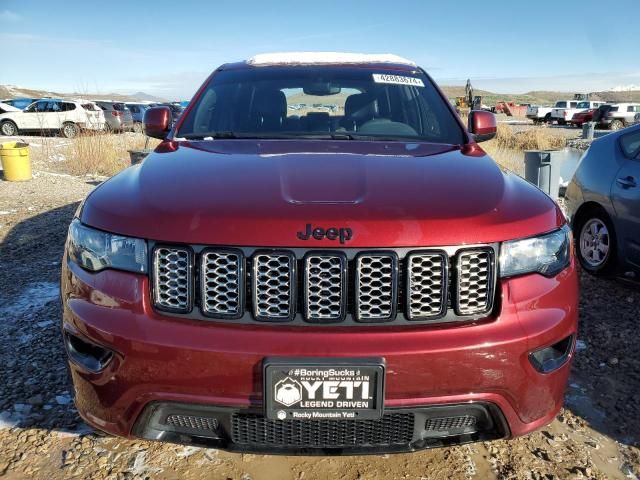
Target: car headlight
pixel 546 254
pixel 95 250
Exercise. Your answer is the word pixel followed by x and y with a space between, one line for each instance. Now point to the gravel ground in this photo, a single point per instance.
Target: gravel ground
pixel 596 436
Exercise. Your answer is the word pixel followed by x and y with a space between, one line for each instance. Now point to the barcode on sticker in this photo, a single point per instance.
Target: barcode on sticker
pixel 397 79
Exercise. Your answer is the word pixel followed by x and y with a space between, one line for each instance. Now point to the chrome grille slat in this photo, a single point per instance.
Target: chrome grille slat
pixel 273 286
pixel 475 282
pixel 426 285
pixel 324 287
pixel 221 283
pixel 172 278
pixel 376 286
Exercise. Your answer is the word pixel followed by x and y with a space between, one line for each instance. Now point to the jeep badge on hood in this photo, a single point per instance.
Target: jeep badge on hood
pixel 319 233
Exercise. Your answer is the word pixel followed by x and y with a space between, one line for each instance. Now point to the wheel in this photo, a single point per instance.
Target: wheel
pixel 547 118
pixel 596 247
pixel 562 122
pixel 70 130
pixel 9 128
pixel 617 125
pixel 137 127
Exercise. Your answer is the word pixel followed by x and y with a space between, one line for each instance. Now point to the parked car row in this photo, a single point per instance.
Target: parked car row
pixel 49 114
pixel 613 116
pixel 70 116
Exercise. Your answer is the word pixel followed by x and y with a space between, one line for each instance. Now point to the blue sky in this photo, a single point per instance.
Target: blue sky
pixel 168 48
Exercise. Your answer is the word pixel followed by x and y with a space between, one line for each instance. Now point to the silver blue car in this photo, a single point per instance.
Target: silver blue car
pixel 137 112
pixel 603 200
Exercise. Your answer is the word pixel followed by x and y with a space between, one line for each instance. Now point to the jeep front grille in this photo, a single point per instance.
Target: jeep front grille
pixel 172 279
pixel 273 286
pixel 475 285
pixel 376 286
pixel 325 285
pixel 322 287
pixel 426 284
pixel 220 282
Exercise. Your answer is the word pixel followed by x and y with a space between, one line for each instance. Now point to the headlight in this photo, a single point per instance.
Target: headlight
pixel 96 250
pixel 547 254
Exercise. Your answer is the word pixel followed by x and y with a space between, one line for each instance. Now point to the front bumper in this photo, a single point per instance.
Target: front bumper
pixel 158 359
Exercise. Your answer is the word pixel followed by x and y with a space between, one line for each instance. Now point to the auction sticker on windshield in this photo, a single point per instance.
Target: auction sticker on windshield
pixel 323 389
pixel 397 79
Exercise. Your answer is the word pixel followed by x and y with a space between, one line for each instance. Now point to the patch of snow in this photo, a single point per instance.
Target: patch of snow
pixel 580 345
pixel 9 420
pixel 312 58
pixel 625 88
pixel 140 466
pixel 34 297
pixel 57 157
pixel 44 324
pixel 187 451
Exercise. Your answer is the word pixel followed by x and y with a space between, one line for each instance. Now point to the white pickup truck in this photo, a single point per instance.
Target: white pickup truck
pixel 564 114
pixel 543 114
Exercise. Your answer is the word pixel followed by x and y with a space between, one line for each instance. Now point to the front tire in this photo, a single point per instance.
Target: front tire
pixel 9 129
pixel 69 130
pixel 596 243
pixel 617 125
pixel 548 119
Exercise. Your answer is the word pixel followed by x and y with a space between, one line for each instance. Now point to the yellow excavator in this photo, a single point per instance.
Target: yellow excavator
pixel 469 102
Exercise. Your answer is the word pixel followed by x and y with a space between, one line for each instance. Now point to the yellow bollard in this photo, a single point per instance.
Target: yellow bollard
pixel 16 163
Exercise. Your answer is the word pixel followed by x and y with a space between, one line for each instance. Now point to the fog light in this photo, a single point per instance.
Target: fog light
pixel 551 358
pixel 89 356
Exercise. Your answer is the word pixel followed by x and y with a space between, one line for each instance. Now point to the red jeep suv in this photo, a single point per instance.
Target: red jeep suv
pixel 320 259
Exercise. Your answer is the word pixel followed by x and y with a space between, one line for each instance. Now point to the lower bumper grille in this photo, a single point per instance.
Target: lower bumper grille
pixel 399 430
pixel 394 428
pixel 444 424
pixel 193 422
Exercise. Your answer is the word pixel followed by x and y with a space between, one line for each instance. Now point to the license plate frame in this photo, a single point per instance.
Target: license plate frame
pixel 345 388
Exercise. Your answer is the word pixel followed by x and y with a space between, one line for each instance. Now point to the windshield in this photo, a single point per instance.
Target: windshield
pixel 314 102
pixel 583 105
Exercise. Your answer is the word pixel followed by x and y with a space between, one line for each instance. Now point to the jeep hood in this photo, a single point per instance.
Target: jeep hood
pixel 250 193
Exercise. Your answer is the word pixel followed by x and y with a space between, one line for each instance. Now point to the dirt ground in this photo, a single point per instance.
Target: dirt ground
pixel 596 436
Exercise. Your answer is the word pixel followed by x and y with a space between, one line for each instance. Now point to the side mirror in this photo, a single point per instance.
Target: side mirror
pixel 156 122
pixel 482 125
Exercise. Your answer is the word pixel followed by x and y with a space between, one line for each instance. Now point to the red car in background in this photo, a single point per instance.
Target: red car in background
pixel 583 117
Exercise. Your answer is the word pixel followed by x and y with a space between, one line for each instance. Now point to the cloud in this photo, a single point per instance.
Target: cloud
pixel 9 16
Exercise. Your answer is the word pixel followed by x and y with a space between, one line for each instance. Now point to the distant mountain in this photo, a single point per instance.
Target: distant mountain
pixel 629 93
pixel 13 91
pixel 145 97
pixel 543 97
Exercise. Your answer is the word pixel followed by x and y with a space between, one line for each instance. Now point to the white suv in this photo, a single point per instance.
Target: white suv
pixel 620 115
pixel 65 116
